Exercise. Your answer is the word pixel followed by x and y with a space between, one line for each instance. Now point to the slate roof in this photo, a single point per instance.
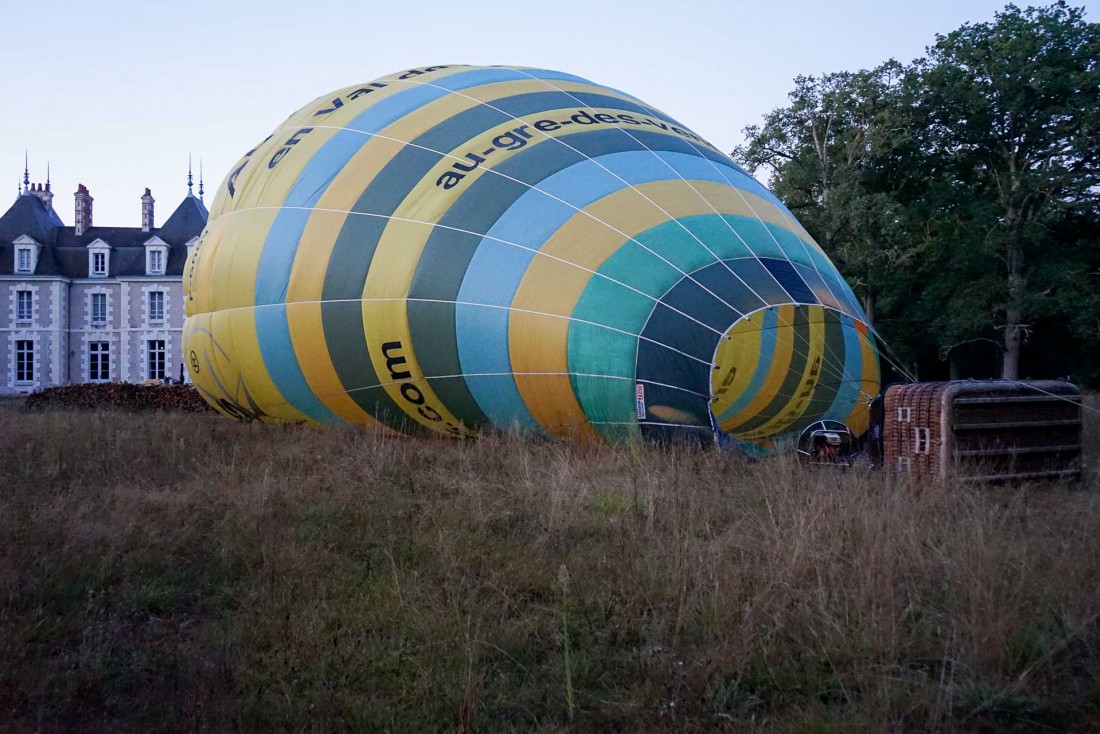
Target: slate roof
pixel 66 254
pixel 185 222
pixel 29 216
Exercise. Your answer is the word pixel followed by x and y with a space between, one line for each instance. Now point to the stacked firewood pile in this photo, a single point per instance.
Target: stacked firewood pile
pixel 119 396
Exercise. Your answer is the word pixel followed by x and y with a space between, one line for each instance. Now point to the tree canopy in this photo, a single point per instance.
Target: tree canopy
pixel 959 194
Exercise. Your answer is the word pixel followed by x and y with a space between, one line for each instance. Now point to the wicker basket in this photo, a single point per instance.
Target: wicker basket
pixel 983 430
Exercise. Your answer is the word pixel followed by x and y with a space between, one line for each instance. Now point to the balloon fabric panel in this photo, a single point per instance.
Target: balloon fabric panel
pixel 452 248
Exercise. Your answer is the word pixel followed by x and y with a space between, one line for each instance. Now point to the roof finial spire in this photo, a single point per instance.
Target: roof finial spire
pixel 189 175
pixel 26 171
pixel 200 179
pixel 47 175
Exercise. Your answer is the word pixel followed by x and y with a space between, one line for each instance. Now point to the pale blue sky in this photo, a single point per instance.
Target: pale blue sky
pixel 115 94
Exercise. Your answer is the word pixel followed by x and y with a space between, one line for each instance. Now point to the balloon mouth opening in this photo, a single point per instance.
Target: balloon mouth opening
pixel 784 367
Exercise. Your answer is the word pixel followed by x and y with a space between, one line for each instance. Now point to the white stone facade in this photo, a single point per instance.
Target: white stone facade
pixel 87 303
pixel 62 329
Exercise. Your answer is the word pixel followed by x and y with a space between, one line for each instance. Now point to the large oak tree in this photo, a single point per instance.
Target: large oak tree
pixel 1012 108
pixel 958 194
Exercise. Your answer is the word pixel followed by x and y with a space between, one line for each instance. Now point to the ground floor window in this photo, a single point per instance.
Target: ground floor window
pixel 156 359
pixel 24 360
pixel 99 361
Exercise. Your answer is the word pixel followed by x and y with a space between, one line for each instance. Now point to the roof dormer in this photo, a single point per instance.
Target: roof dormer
pixel 156 256
pixel 191 243
pixel 99 259
pixel 26 251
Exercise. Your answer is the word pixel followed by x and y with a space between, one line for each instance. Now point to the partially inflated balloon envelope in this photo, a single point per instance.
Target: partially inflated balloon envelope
pixel 453 248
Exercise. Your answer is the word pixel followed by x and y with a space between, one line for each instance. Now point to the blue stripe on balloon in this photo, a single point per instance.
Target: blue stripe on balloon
pixel 857 310
pixel 496 269
pixel 272 327
pixel 768 339
pixel 636 104
pixel 784 273
pixel 818 286
pixel 735 176
pixel 853 373
pixel 789 241
pixel 341 147
pixel 281 245
pixel 844 294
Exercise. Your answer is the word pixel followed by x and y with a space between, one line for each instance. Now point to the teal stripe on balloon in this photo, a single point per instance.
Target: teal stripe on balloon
pixel 607 403
pixel 793 247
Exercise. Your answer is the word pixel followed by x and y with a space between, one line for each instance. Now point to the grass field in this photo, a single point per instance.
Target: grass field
pixel 182 572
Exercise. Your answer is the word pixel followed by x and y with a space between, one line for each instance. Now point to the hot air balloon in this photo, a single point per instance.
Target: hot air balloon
pixel 455 248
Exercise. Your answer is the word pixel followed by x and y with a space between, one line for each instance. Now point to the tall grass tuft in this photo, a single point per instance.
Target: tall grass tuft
pixel 567 665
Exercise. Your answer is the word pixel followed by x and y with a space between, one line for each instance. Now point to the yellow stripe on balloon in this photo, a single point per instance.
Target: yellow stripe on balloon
pixel 737 357
pixel 234 286
pixel 252 165
pixel 777 372
pixel 304 318
pixel 200 269
pixel 257 163
pixel 230 297
pixel 765 210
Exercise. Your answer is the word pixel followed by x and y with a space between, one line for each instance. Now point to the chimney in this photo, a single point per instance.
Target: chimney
pixel 83 209
pixel 147 202
pixel 44 194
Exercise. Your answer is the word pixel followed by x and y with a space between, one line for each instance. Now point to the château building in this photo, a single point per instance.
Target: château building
pixel 87 303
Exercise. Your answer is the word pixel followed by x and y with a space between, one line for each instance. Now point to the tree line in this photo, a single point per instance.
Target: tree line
pixel 959 194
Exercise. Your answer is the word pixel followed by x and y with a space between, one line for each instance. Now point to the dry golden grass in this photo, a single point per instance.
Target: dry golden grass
pixel 186 573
